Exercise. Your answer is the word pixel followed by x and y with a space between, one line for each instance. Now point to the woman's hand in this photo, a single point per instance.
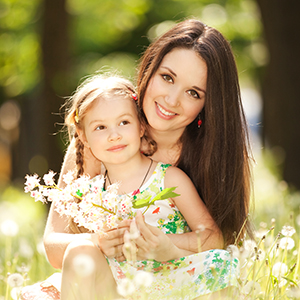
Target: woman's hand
pixel 111 243
pixel 152 243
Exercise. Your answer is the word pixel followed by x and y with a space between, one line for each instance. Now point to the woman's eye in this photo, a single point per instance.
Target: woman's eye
pixel 124 123
pixel 167 78
pixel 193 93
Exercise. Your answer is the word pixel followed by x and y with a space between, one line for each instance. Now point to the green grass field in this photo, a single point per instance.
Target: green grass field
pixel 269 266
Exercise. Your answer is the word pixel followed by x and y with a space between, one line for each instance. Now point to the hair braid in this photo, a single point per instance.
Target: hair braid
pixel 79 155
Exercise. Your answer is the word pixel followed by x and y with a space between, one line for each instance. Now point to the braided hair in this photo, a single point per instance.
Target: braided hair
pixel 94 88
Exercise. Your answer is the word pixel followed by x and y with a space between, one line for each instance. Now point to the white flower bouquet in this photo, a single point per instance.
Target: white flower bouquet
pixel 87 202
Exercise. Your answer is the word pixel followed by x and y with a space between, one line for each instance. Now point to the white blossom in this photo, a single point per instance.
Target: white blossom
pixel 15 293
pixel 125 287
pixel 69 177
pixel 279 269
pixel 143 279
pixel 134 231
pixel 15 280
pixel 287 243
pixel 252 287
pixel 288 230
pixel 9 227
pixel 31 182
pixel 48 178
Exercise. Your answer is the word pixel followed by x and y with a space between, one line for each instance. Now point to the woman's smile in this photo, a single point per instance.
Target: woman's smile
pixel 163 112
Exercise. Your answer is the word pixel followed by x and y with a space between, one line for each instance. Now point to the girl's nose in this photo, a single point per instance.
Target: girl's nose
pixel 114 135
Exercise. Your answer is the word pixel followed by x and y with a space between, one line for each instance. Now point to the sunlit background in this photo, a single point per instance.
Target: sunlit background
pixel 45 50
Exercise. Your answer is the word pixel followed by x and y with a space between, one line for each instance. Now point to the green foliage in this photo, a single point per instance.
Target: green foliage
pixel 19 47
pixel 113 34
pixel 164 194
pixel 269 269
pixel 22 223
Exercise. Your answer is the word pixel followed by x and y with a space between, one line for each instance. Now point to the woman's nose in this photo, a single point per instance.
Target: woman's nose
pixel 114 135
pixel 173 98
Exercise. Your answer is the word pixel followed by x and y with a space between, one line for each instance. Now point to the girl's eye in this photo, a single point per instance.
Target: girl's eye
pixel 100 127
pixel 194 94
pixel 124 123
pixel 167 78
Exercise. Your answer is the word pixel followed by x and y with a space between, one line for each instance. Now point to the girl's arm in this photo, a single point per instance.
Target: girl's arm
pixel 57 236
pixel 205 234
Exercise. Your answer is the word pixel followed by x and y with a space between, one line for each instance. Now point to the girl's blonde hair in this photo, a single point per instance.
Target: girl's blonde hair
pixel 94 88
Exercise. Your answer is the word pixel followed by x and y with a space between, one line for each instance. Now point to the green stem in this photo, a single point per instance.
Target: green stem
pixel 105 209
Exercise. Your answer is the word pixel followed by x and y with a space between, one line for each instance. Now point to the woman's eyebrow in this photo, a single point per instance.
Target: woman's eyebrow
pixel 174 74
pixel 199 89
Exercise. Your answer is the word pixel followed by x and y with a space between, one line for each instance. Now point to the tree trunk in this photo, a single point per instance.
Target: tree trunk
pixel 40 148
pixel 280 90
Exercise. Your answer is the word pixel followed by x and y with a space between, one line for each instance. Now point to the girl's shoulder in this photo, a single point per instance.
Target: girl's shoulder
pixel 174 175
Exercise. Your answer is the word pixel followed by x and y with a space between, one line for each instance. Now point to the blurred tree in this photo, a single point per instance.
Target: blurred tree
pixel 39 147
pixel 281 122
pixel 46 46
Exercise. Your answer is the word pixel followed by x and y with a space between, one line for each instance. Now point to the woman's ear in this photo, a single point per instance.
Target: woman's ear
pixel 82 137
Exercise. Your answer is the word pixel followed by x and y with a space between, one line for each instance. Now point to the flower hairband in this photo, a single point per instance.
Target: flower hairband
pixel 134 96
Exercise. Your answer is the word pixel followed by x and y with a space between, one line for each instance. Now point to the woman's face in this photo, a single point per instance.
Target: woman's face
pixel 176 92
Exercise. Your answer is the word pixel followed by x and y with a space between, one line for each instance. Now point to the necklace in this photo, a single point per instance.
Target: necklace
pixel 138 190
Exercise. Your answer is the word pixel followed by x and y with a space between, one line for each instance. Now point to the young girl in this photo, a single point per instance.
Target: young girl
pixel 105 119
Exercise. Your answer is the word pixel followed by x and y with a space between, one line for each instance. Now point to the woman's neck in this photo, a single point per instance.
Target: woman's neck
pixel 168 146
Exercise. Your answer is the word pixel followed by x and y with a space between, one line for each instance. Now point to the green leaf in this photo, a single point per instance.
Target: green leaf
pixel 142 202
pixel 163 195
pixel 78 193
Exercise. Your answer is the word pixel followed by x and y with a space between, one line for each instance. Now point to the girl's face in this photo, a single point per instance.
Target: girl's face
pixel 176 92
pixel 112 130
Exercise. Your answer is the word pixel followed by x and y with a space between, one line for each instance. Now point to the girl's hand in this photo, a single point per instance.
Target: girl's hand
pixel 152 243
pixel 112 242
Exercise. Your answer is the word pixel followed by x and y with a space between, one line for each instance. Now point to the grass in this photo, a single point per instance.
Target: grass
pixel 269 266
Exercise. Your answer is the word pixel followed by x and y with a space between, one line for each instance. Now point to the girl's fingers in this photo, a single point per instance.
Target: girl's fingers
pixel 115 251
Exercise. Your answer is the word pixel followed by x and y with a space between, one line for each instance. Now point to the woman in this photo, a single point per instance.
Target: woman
pixel 189 93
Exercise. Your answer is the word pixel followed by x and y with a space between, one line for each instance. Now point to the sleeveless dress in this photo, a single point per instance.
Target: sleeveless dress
pixel 185 278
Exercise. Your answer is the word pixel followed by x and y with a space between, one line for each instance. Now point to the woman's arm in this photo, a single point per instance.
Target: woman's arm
pixel 57 237
pixel 205 234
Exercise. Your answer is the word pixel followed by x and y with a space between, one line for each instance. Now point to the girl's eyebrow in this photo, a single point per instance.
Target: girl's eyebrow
pixel 119 117
pixel 175 75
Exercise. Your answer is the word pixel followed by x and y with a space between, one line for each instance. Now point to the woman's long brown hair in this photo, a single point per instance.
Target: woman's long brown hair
pixel 216 156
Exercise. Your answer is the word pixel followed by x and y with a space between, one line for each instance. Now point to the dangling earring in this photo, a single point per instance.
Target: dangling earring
pixel 199 121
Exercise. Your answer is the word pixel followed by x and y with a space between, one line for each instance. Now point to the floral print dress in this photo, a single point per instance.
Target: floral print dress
pixel 184 278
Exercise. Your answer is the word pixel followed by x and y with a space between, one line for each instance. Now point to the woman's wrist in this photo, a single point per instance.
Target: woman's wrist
pixel 95 240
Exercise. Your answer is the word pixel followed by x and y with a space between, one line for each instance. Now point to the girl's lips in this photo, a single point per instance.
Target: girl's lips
pixel 164 113
pixel 116 148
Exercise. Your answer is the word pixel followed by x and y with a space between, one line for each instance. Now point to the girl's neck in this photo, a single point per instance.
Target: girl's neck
pixel 130 174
